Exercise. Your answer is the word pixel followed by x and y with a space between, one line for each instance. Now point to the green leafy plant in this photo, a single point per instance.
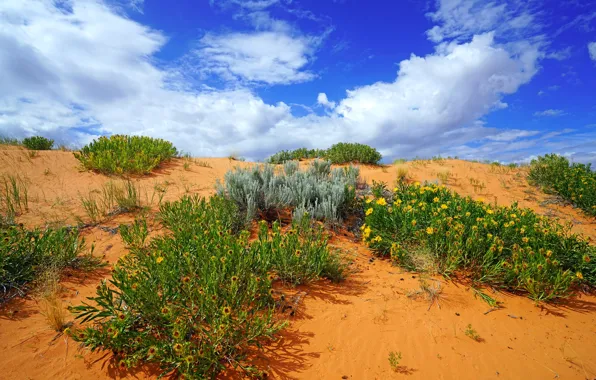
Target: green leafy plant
pixel 114 198
pixel 38 143
pixel 505 247
pixel 14 198
pixel 576 182
pixel 296 155
pixel 194 300
pixel 120 154
pixel 342 153
pixel 25 254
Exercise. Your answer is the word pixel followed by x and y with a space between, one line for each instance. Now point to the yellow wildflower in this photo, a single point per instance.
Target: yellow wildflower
pixel 159 260
pixel 430 230
pixel 369 211
pixel 381 202
pixel 579 275
pixel 444 206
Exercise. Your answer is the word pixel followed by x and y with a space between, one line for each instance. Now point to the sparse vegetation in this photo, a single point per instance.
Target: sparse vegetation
pixel 194 300
pixel 113 198
pixel 506 247
pixel 576 182
pixel 120 154
pixel 394 359
pixel 38 143
pixel 472 334
pixel 14 198
pixel 318 192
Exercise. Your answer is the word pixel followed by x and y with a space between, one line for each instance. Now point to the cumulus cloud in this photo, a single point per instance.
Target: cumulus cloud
pixel 322 100
pixel 592 50
pixel 549 112
pixel 268 57
pixel 81 72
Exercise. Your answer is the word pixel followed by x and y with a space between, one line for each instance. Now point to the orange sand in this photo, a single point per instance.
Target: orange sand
pixel 340 331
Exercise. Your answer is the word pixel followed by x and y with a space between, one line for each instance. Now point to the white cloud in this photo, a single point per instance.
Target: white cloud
pixel 550 113
pixel 592 50
pixel 88 71
pixel 269 57
pixel 462 19
pixel 322 100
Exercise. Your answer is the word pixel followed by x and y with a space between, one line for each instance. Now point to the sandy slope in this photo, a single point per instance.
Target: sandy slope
pixel 340 331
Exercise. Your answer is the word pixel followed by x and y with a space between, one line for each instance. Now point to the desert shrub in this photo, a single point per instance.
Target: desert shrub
pixel 342 153
pixel 320 192
pixel 25 254
pixel 296 155
pixel 506 247
pixel 38 143
pixel 120 154
pixel 575 182
pixel 194 300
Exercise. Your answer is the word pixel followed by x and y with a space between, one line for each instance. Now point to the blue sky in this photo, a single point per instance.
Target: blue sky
pixel 500 80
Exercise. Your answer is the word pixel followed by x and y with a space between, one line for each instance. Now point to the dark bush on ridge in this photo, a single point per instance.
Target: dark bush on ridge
pixel 38 143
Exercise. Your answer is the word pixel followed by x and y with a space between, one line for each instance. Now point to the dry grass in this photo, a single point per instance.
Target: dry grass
pixel 432 293
pixel 402 173
pixel 48 298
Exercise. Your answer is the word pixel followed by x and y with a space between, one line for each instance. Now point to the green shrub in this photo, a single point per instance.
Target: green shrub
pixel 506 247
pixel 25 254
pixel 295 155
pixel 38 143
pixel 576 182
pixel 342 153
pixel 320 192
pixel 195 300
pixel 120 154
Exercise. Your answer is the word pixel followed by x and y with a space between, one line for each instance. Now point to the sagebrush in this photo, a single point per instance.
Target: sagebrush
pixel 318 192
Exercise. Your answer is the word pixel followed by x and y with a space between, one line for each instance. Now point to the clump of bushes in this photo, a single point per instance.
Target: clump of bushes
pixel 38 143
pixel 25 254
pixel 319 192
pixel 340 153
pixel 575 182
pixel 196 299
pixel 296 155
pixel 506 247
pixel 120 154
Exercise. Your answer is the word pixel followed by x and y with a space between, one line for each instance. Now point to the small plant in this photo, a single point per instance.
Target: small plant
pixel 114 198
pixel 38 143
pixel 203 164
pixel 394 359
pixel 444 176
pixel 431 293
pixel 402 174
pixel 47 171
pixel 472 334
pixel 477 184
pixel 120 154
pixel 9 141
pixel 14 198
pixel 48 297
pixel 399 161
pixel 32 153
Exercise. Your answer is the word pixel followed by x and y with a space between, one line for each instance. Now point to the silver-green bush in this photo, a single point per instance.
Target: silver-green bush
pixel 319 192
